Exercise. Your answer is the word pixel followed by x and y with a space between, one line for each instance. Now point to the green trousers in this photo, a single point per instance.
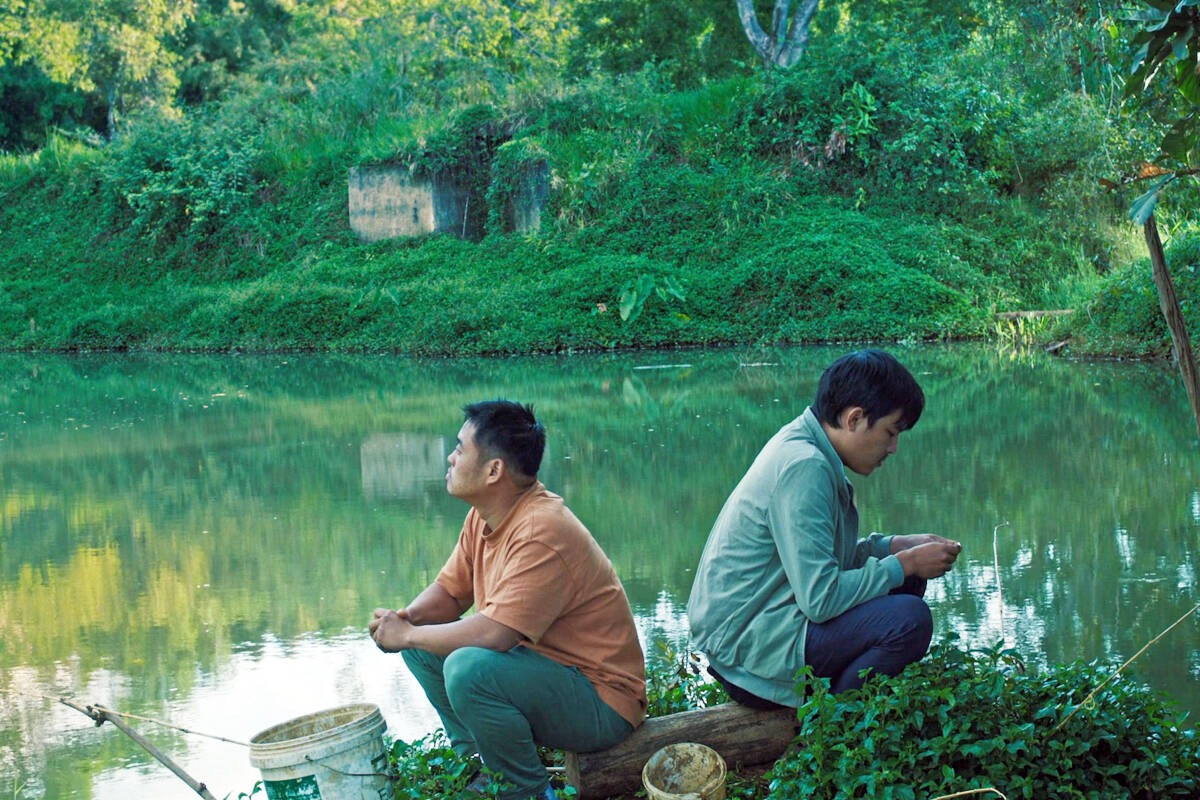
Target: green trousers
pixel 502 705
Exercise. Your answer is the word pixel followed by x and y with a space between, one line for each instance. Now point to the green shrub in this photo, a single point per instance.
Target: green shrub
pixel 1124 316
pixel 958 721
pixel 183 177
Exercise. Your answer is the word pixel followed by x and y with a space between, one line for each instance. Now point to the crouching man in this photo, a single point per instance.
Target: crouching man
pixel 550 656
pixel 784 580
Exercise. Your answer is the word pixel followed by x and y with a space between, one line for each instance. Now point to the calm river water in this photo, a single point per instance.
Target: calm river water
pixel 202 539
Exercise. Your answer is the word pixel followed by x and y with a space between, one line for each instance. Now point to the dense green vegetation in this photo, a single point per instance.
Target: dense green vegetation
pixel 954 722
pixel 924 165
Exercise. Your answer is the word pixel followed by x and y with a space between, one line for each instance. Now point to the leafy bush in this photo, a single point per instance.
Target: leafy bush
pixel 1124 317
pixel 675 682
pixel 953 722
pixel 180 177
pixel 958 721
pixel 429 767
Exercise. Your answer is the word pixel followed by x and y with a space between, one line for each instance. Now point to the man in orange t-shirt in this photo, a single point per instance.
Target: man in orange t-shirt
pixel 550 656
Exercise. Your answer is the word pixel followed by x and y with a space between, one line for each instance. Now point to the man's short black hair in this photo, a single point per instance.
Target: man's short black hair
pixel 872 380
pixel 508 430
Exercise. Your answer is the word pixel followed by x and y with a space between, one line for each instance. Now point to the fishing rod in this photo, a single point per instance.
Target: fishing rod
pixel 100 715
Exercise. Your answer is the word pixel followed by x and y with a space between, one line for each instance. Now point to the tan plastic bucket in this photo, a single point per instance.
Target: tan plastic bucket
pixel 336 754
pixel 685 771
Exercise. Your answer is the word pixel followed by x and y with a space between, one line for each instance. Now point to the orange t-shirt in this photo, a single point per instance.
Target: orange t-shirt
pixel 542 574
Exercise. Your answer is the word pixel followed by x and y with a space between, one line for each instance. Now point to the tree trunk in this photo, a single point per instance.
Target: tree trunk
pixel 740 734
pixel 789 32
pixel 1169 304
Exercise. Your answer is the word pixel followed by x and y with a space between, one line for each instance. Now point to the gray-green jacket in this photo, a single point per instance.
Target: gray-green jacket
pixel 783 551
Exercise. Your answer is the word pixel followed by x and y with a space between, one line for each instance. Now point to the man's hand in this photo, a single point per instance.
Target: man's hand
pixel 931 559
pixel 912 540
pixel 390 629
pixel 393 631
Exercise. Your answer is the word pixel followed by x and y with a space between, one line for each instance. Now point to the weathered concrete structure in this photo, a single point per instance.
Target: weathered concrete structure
pixel 529 198
pixel 386 202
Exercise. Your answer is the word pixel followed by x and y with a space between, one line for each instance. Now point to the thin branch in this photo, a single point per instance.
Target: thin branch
pixel 970 792
pixel 996 567
pixel 1110 678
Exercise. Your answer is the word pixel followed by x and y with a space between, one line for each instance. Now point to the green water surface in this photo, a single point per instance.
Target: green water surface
pixel 202 539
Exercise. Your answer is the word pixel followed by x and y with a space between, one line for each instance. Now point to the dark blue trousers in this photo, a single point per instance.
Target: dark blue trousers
pixel 884 634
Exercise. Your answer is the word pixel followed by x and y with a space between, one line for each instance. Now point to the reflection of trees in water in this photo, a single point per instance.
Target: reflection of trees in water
pixel 255 513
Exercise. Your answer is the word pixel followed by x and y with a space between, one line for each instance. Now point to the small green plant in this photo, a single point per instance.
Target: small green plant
pixel 634 294
pixel 675 682
pixel 257 790
pixel 429 767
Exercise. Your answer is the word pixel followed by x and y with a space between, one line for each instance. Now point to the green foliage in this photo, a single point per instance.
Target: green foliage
pixel 635 294
pixel 674 682
pixel 226 39
pixel 1166 46
pixel 31 105
pixel 889 188
pixel 429 767
pixel 958 721
pixel 187 177
pixel 690 39
pixel 1124 317
pixel 117 49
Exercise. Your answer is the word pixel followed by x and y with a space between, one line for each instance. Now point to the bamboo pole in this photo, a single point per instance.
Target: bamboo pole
pixel 102 715
pixel 1121 669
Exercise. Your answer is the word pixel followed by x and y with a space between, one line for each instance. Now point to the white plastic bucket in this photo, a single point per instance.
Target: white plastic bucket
pixel 336 754
pixel 685 771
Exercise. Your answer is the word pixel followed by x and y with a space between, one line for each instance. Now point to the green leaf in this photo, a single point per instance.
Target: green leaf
pixel 1187 80
pixel 627 301
pixel 672 287
pixel 1143 207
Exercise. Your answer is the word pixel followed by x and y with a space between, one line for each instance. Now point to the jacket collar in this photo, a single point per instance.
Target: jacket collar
pixel 816 434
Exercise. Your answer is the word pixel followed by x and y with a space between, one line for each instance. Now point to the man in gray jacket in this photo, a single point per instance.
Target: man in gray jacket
pixel 784 580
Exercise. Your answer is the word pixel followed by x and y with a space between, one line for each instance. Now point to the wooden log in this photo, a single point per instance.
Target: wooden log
pixel 1033 314
pixel 742 735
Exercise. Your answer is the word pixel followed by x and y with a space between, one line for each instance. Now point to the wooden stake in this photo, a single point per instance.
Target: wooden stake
pixel 1169 303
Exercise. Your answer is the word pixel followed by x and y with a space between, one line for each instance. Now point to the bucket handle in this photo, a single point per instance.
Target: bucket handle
pixel 389 776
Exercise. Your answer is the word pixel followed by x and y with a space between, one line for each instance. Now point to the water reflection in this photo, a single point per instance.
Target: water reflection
pixel 202 539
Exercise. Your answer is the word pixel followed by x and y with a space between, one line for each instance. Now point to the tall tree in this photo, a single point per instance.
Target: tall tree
pixel 786 42
pixel 226 38
pixel 690 39
pixel 118 49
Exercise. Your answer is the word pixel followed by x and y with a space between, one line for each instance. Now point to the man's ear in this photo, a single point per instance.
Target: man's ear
pixel 496 469
pixel 851 417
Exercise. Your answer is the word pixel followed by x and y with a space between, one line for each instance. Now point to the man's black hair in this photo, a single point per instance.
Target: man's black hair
pixel 873 380
pixel 509 431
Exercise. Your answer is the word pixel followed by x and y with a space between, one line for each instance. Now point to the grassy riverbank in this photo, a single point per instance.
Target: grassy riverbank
pixel 901 193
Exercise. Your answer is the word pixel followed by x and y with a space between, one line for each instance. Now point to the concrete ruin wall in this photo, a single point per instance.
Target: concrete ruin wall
pixel 529 199
pixel 387 202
